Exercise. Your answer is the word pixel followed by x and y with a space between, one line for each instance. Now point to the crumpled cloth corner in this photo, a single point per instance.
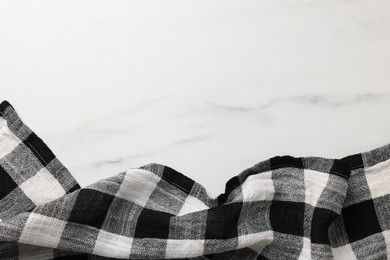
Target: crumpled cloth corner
pixel 284 207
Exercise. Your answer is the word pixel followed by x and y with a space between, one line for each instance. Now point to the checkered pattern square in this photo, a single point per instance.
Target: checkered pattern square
pixel 43 230
pixel 112 245
pixel 36 187
pixel 281 208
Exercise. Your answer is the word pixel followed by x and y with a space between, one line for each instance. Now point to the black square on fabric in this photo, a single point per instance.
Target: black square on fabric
pixel 210 256
pixel 4 105
pixel 361 220
pixel 75 187
pixel 90 208
pixel 152 224
pixel 6 182
pixel 222 221
pixel 73 257
pixel 341 168
pixel 9 249
pixel 178 179
pixel 322 219
pixel 287 217
pixel 286 161
pixel 355 160
pixel 39 149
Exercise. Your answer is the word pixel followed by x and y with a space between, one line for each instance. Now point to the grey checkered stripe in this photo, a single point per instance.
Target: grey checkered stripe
pixel 281 208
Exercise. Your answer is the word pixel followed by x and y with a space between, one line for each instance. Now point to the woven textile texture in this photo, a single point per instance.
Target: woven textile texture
pixel 284 207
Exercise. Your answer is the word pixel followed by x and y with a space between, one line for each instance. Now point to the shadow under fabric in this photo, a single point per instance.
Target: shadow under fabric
pixel 281 208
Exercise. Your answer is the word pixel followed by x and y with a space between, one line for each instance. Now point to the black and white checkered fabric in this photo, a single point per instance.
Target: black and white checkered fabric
pixel 281 208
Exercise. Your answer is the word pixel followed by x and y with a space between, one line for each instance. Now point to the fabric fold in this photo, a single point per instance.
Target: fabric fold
pixel 284 207
pixel 363 229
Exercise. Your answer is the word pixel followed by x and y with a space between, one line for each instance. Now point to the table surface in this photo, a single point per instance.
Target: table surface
pixel 209 88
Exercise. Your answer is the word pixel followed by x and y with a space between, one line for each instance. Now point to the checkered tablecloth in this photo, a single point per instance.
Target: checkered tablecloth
pixel 284 207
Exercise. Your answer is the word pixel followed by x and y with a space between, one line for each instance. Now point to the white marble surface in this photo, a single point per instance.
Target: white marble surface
pixel 207 87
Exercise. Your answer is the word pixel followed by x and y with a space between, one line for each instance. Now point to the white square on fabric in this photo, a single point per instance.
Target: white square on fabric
pixel 183 248
pixel 112 245
pixel 255 241
pixel 378 178
pixel 306 250
pixel 344 253
pixel 8 141
pixel 315 183
pixel 137 186
pixel 42 187
pixel 192 204
pixel 42 231
pixel 258 187
pixel 386 235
